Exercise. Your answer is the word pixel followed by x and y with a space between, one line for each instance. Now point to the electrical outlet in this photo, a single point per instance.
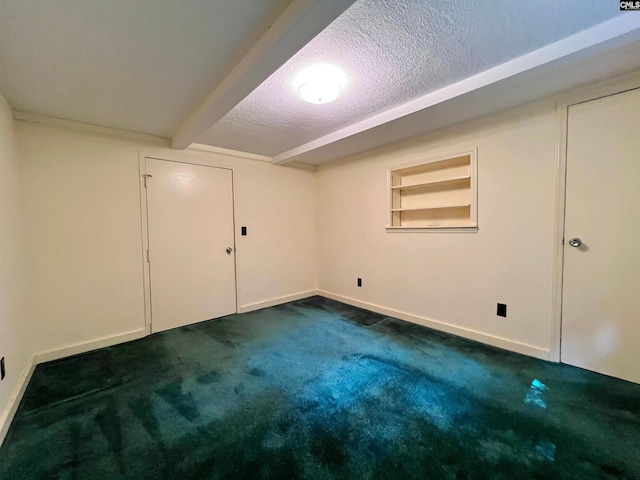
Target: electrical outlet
pixel 359 282
pixel 2 371
pixel 502 310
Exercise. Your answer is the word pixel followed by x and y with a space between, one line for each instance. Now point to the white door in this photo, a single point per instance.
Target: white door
pixel 191 243
pixel 601 287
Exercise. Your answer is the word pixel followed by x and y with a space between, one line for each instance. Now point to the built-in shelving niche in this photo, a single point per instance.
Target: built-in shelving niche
pixel 439 194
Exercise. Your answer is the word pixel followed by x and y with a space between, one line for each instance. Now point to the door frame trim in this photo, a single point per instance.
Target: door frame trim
pixel 146 266
pixel 614 86
pixel 144 230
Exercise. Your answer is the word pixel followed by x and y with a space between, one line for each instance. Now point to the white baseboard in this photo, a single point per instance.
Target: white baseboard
pixel 14 400
pixel 50 355
pixel 277 301
pixel 489 339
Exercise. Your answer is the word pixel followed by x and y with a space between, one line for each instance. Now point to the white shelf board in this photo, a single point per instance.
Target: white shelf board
pixel 434 207
pixel 427 184
pixel 434 228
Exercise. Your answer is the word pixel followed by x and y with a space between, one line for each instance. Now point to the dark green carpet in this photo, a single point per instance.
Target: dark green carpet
pixel 317 389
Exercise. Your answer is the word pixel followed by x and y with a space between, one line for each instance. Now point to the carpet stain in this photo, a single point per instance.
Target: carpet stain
pixel 184 403
pixel 208 378
pixel 108 421
pixel 142 408
pixel 257 372
pixel 316 389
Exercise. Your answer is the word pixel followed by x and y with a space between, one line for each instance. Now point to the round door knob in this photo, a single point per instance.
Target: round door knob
pixel 229 250
pixel 575 242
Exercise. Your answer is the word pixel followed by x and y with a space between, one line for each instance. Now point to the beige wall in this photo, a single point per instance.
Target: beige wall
pixel 84 227
pixel 85 245
pixel 452 278
pixel 84 239
pixel 15 326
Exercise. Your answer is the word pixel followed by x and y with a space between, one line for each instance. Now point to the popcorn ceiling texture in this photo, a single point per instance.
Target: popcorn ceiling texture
pixel 393 52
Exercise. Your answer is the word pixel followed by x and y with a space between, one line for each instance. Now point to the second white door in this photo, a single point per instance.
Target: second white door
pixel 191 243
pixel 601 303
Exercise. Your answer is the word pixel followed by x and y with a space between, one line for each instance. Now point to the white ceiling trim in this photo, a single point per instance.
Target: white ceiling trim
pixel 605 33
pixel 89 128
pixel 201 147
pixel 226 151
pixel 297 26
pixel 141 137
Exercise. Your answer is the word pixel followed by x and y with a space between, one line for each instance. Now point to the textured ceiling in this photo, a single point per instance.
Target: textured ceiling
pixel 392 52
pixel 138 65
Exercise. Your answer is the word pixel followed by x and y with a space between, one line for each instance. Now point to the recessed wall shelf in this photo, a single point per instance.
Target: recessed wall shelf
pixel 439 194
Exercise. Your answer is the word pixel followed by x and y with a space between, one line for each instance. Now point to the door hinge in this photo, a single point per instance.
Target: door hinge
pixel 145 176
pixel 148 257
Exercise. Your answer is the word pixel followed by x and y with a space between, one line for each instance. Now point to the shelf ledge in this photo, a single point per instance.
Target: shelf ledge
pixel 429 184
pixel 467 229
pixel 434 207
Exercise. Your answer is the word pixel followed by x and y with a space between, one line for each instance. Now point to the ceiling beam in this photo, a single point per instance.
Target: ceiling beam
pixel 297 26
pixel 402 120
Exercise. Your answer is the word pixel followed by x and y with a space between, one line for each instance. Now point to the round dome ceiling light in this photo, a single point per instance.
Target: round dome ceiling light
pixel 320 83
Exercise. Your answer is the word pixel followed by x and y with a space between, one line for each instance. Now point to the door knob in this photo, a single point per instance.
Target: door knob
pixel 575 242
pixel 229 250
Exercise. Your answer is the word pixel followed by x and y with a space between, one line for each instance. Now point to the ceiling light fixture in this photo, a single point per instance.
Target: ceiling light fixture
pixel 320 83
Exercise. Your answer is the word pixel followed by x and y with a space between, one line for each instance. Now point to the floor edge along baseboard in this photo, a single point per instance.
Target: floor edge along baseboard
pixel 277 301
pixel 11 408
pixel 43 357
pixel 495 341
pixel 50 355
